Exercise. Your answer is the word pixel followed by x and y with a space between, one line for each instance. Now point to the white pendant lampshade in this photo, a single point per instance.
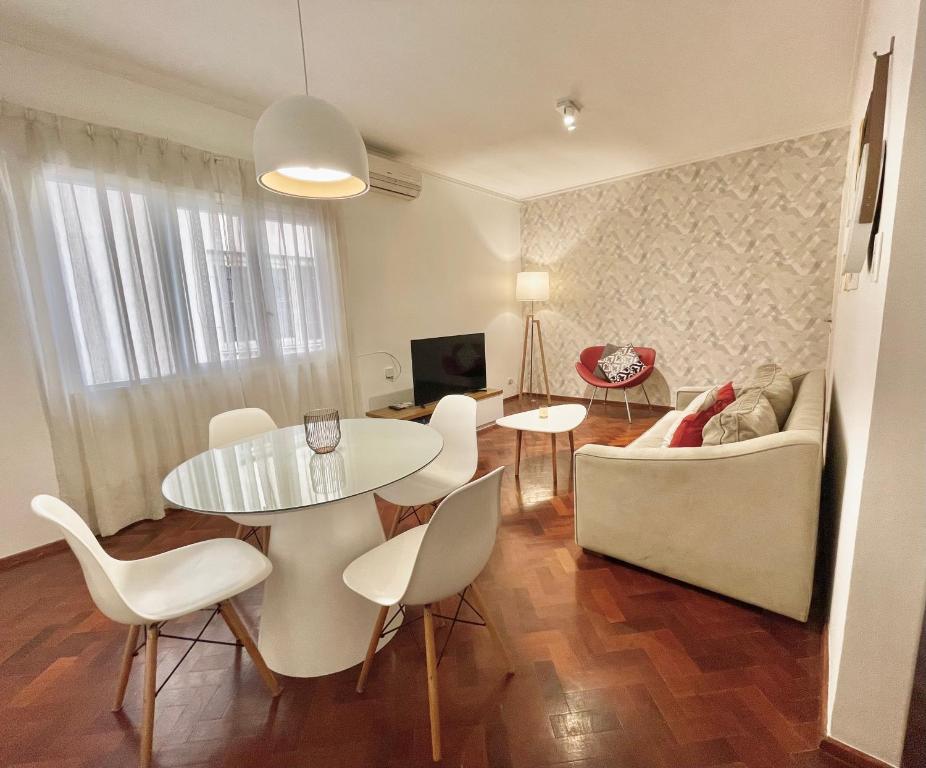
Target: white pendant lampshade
pixel 306 147
pixel 533 286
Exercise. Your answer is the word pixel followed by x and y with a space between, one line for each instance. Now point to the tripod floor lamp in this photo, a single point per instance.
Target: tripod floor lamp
pixel 532 286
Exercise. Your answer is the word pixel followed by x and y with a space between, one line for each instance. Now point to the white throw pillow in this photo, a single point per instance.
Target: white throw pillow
pixel 677 417
pixel 698 404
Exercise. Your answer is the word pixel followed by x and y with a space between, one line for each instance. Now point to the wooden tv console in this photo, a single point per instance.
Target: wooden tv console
pixel 421 411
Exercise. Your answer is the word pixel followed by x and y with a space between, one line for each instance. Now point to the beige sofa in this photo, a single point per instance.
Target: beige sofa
pixel 738 519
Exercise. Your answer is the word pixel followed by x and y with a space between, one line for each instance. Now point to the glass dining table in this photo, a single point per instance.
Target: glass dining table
pixel 322 515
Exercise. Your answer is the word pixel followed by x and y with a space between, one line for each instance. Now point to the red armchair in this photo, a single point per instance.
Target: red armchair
pixel 588 361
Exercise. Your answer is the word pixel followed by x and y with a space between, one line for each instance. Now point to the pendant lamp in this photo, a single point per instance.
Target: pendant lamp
pixel 306 147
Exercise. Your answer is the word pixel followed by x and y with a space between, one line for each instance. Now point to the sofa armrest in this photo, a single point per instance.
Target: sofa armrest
pixel 739 519
pixel 684 395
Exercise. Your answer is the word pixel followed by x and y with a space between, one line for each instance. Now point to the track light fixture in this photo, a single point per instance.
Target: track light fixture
pixel 569 111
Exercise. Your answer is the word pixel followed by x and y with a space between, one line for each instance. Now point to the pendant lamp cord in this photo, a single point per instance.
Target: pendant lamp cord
pixel 305 68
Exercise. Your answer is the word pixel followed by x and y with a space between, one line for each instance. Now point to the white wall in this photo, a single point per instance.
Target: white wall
pixel 439 265
pixel 442 264
pixel 38 80
pixel 876 447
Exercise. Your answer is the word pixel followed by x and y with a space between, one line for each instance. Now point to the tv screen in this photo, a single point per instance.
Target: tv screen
pixel 447 365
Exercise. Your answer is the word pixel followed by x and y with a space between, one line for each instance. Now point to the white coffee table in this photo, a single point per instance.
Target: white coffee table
pixel 560 418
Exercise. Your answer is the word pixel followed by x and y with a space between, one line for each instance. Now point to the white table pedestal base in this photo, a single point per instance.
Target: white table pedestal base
pixel 311 624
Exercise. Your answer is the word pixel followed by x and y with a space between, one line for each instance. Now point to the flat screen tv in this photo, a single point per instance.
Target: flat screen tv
pixel 447 365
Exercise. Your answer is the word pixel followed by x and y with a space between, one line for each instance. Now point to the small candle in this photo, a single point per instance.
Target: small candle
pixel 544 412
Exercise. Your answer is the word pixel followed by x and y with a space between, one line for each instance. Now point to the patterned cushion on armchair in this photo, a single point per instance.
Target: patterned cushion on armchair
pixel 620 364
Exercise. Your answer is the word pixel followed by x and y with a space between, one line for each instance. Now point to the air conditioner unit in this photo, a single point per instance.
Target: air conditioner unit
pixel 394 178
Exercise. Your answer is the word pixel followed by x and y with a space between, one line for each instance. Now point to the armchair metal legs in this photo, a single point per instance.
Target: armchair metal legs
pixel 626 400
pixel 646 395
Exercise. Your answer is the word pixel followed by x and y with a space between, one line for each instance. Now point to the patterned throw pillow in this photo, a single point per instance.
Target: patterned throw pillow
pixel 621 364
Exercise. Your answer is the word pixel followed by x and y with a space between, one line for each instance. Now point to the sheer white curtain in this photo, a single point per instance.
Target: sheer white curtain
pixel 162 286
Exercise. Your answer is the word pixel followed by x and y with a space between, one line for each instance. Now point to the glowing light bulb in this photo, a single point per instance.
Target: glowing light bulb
pixel 307 173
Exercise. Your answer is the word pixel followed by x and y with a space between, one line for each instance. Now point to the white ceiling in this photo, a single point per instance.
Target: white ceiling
pixel 466 88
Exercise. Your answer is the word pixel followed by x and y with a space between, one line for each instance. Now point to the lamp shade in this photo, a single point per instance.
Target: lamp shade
pixel 306 147
pixel 533 286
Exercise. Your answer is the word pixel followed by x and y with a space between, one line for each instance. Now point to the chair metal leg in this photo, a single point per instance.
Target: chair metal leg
pixel 233 620
pixel 627 403
pixel 591 399
pixel 648 403
pixel 151 674
pixel 430 648
pixel 128 655
pixel 371 650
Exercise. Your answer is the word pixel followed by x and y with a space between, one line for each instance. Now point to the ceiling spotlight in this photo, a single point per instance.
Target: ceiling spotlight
pixel 570 111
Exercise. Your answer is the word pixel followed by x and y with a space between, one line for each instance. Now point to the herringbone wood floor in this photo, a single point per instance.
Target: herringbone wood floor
pixel 615 666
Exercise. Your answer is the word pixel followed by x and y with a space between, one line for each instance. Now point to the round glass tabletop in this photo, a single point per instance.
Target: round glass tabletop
pixel 277 471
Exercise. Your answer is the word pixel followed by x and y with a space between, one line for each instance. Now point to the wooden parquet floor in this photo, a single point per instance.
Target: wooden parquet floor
pixel 616 667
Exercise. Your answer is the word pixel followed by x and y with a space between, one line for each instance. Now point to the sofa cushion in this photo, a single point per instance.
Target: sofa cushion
pixel 687 432
pixel 654 436
pixel 621 364
pixel 776 385
pixel 750 415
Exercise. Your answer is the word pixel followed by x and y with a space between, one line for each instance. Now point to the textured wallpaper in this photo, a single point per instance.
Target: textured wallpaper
pixel 719 265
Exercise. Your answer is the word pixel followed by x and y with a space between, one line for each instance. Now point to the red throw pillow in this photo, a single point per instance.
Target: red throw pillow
pixel 688 432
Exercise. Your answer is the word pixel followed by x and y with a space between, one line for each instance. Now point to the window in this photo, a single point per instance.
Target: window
pixel 155 289
pixel 295 286
pixel 219 286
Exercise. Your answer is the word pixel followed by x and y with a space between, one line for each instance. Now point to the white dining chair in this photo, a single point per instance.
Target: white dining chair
pixel 430 563
pixel 455 419
pixel 151 591
pixel 233 427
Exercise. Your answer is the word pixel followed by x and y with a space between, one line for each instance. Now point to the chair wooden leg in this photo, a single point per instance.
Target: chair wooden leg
pixel 264 536
pixel 151 676
pixel 572 442
pixel 553 446
pixel 479 605
pixel 430 648
pixel 233 620
pixel 371 649
pixel 240 532
pixel 128 654
pixel 395 521
pixel 517 454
